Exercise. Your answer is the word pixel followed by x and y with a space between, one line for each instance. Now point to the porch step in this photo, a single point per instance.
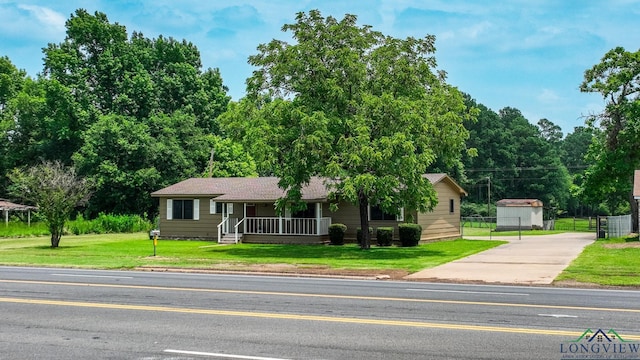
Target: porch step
pixel 230 239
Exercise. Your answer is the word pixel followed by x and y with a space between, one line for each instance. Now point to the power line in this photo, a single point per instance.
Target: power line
pixel 532 168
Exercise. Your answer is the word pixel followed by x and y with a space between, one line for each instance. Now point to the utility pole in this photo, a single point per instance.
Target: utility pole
pixel 488 196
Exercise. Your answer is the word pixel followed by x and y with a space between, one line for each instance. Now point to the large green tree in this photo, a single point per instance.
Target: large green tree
pixel 519 159
pixel 110 73
pixel 345 102
pixel 134 113
pixel 615 153
pixel 55 189
pixel 574 150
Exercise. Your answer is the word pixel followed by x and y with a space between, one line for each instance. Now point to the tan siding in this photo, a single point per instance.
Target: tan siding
pixel 265 210
pixel 205 228
pixel 348 215
pixel 440 223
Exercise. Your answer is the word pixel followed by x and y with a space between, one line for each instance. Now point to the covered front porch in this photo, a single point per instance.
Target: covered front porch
pixel 306 223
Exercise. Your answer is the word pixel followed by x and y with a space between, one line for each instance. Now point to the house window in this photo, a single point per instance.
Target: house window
pixel 452 206
pixel 308 213
pixel 215 207
pixel 376 213
pixel 183 209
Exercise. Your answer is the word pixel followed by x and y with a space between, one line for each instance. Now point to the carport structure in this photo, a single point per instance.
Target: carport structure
pixel 6 206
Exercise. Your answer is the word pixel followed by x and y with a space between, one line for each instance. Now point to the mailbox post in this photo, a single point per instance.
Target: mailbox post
pixel 153 234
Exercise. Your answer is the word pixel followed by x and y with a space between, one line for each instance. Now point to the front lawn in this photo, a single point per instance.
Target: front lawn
pixel 614 262
pixel 125 251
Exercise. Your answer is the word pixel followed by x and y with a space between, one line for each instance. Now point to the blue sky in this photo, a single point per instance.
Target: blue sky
pixel 527 54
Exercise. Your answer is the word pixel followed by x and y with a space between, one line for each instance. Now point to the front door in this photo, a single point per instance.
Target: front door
pixel 250 210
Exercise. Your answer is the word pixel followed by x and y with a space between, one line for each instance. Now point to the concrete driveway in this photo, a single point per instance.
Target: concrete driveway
pixel 530 260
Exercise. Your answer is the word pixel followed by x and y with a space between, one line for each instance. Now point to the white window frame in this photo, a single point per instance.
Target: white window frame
pixel 196 209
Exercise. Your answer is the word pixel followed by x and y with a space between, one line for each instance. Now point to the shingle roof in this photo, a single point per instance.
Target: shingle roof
pixel 520 202
pixel 258 189
pixel 8 205
pixel 241 189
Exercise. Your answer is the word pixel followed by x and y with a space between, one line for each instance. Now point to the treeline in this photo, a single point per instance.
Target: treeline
pixel 132 114
pixel 135 114
pixel 517 159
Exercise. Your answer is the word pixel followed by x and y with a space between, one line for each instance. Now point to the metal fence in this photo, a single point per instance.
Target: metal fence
pixel 618 226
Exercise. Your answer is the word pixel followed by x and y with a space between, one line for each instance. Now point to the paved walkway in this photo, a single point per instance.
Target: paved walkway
pixel 530 260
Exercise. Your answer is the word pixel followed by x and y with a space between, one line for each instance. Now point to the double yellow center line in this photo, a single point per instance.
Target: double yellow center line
pixel 266 315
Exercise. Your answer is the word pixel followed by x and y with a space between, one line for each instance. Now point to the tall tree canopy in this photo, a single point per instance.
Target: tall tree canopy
pixel 346 102
pixel 615 153
pixel 111 74
pixel 520 159
pixel 134 114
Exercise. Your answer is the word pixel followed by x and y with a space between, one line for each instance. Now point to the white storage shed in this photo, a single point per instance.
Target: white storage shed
pixel 525 214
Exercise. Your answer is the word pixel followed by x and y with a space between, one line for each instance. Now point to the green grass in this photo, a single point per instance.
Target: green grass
pixel 613 262
pixel 476 228
pixel 22 229
pixel 123 251
pixel 469 231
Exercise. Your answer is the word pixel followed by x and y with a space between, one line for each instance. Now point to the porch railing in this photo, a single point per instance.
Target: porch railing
pixel 286 226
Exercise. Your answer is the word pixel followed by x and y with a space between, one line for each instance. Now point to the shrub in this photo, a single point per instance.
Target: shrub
pixel 107 223
pixel 359 234
pixel 336 233
pixel 384 235
pixel 409 234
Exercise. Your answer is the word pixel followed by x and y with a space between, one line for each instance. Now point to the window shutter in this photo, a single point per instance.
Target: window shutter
pixel 169 209
pixel 212 206
pixel 196 209
pixel 400 216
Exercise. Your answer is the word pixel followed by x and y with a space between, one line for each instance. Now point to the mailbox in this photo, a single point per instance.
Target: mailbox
pixel 153 233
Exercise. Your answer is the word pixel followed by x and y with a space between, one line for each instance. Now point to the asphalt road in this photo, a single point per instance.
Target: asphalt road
pixel 85 314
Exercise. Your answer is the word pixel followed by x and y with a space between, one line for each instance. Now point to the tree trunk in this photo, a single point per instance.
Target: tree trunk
pixel 363 202
pixel 55 240
pixel 634 213
pixel 56 234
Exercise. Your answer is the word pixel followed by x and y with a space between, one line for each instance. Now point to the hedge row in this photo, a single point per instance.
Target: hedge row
pixel 409 234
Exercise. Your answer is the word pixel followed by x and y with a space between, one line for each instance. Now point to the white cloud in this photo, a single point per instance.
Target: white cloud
pixel 477 30
pixel 30 22
pixel 46 16
pixel 548 96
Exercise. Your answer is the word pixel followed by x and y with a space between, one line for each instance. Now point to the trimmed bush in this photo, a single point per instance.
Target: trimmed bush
pixel 384 235
pixel 359 234
pixel 336 233
pixel 409 234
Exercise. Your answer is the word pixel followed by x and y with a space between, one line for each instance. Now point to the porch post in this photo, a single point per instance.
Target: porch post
pixel 29 217
pixel 318 217
pixel 6 217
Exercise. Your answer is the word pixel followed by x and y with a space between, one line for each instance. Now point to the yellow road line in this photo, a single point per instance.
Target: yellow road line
pixel 326 296
pixel 350 320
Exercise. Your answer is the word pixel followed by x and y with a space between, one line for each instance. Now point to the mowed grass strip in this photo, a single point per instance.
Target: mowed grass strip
pixel 614 262
pixel 125 251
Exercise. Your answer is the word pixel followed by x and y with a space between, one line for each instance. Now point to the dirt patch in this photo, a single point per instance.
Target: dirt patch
pixel 289 270
pixel 634 244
